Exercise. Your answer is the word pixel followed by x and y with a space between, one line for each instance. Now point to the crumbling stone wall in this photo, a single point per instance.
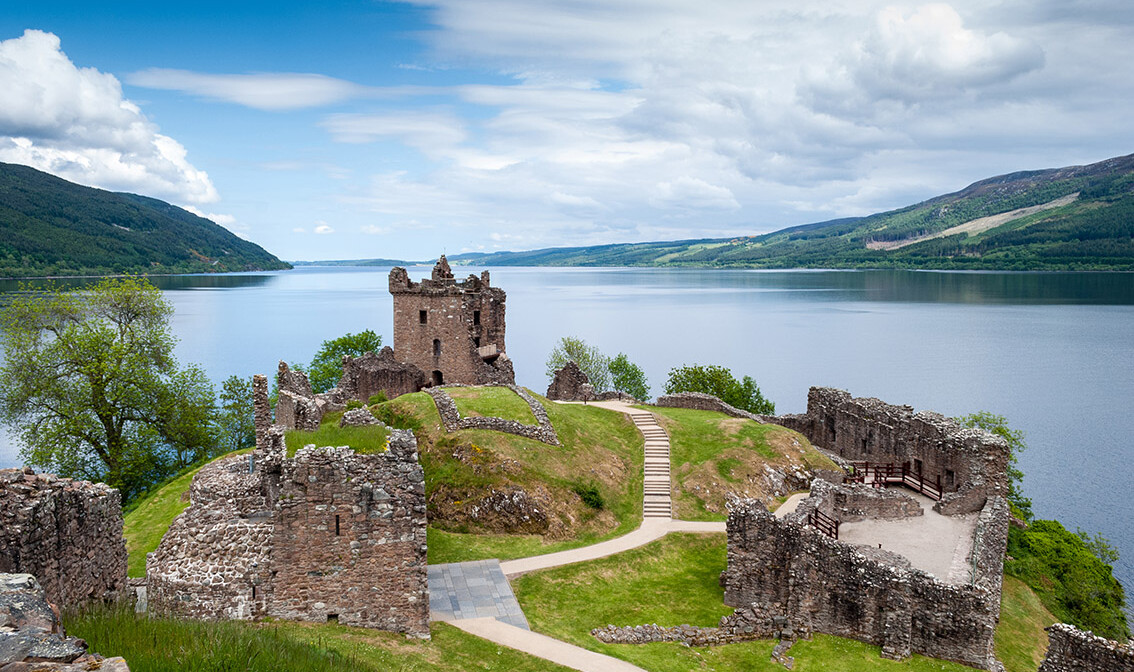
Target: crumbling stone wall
pixel 784 569
pixel 32 637
pixel 453 331
pixel 1072 650
pixel 970 464
pixel 67 533
pixel 570 383
pixel 706 402
pixel 852 502
pixel 326 535
pixel 451 417
pixel 296 407
pixel 372 373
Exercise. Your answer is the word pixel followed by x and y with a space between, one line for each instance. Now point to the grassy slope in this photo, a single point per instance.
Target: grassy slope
pixel 498 402
pixel 712 453
pixel 1020 638
pixel 600 447
pixel 157 645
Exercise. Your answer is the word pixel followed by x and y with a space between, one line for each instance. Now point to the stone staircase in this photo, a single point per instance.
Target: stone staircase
pixel 657 503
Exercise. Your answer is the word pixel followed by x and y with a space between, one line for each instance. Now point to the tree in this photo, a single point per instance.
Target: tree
pixel 998 425
pixel 719 382
pixel 589 359
pixel 327 367
pixel 628 377
pixel 237 421
pixel 91 387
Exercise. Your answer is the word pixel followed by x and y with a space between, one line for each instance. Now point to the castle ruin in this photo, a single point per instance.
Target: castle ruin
pixel 326 535
pixel 451 330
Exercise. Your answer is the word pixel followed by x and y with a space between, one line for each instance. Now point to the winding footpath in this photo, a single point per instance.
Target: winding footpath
pixel 477 597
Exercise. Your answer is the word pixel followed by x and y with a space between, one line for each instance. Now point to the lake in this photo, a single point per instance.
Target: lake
pixel 1052 352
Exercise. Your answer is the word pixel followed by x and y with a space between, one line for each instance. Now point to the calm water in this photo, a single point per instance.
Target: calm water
pixel 1052 352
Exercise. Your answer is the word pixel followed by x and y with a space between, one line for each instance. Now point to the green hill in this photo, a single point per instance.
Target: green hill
pixel 1074 218
pixel 49 226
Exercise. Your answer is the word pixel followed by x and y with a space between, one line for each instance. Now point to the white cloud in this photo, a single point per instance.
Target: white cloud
pixel 433 133
pixel 263 91
pixel 74 123
pixel 322 228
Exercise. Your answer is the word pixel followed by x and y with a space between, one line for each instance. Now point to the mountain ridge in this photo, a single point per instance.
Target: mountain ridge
pixel 52 227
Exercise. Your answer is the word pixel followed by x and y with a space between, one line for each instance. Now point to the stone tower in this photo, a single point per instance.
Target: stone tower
pixel 453 331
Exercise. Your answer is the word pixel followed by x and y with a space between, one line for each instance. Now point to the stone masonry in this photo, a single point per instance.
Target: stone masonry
pixel 1072 650
pixel 328 535
pixel 970 464
pixel 570 383
pixel 32 637
pixel 372 373
pixel 453 331
pixel 451 417
pixel 784 569
pixel 67 533
pixel 706 402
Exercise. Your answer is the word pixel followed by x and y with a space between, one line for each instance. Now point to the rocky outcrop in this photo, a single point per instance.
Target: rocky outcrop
pixel 570 383
pixel 67 533
pixel 32 636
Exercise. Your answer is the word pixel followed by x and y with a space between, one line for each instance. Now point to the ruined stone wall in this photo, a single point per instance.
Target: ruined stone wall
pixel 326 535
pixel 349 540
pixel 706 402
pixel 213 562
pixel 439 325
pixel 372 373
pixel 296 407
pixel 451 418
pixel 786 570
pixel 67 533
pixel 971 464
pixel 570 383
pixel 1072 650
pixel 852 502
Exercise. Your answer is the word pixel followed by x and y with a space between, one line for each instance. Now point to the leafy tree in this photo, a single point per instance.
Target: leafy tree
pixel 628 377
pixel 237 421
pixel 998 425
pixel 327 366
pixel 90 385
pixel 589 359
pixel 719 382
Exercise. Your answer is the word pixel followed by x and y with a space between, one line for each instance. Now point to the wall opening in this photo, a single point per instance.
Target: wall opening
pixel 423 316
pixel 438 379
pixel 332 618
pixel 917 466
pixel 476 341
pixel 436 347
pixel 476 317
pixel 950 477
pixel 337 525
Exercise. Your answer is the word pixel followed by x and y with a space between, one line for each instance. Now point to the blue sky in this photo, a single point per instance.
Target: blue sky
pixel 404 129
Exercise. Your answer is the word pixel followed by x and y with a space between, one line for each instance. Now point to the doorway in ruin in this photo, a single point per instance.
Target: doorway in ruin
pixel 438 379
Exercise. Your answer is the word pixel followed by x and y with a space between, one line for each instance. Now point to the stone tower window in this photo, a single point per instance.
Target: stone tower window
pixel 423 316
pixel 476 317
pixel 436 347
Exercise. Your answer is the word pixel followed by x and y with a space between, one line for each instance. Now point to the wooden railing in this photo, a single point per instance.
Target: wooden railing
pixel 882 474
pixel 824 523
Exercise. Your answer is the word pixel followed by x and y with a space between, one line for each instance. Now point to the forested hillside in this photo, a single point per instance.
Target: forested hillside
pixel 1075 218
pixel 49 226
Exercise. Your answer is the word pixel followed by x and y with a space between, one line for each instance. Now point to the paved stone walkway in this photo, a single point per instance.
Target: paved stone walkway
pixel 473 590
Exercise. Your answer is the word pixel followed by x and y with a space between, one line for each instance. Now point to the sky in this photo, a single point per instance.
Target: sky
pixel 372 129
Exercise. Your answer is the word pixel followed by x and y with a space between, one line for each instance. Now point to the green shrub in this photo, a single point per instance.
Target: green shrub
pixel 379 398
pixel 590 495
pixel 719 382
pixel 353 404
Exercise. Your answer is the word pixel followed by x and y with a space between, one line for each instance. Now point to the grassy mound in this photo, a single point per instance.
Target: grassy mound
pixel 160 644
pixel 491 402
pixel 712 454
pixel 673 581
pixel 586 490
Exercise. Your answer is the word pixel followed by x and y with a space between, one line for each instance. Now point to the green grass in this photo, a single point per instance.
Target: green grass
pixel 145 525
pixel 363 440
pixel 160 644
pixel 674 581
pixel 712 454
pixel 492 402
pixel 1020 639
pixel 599 447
